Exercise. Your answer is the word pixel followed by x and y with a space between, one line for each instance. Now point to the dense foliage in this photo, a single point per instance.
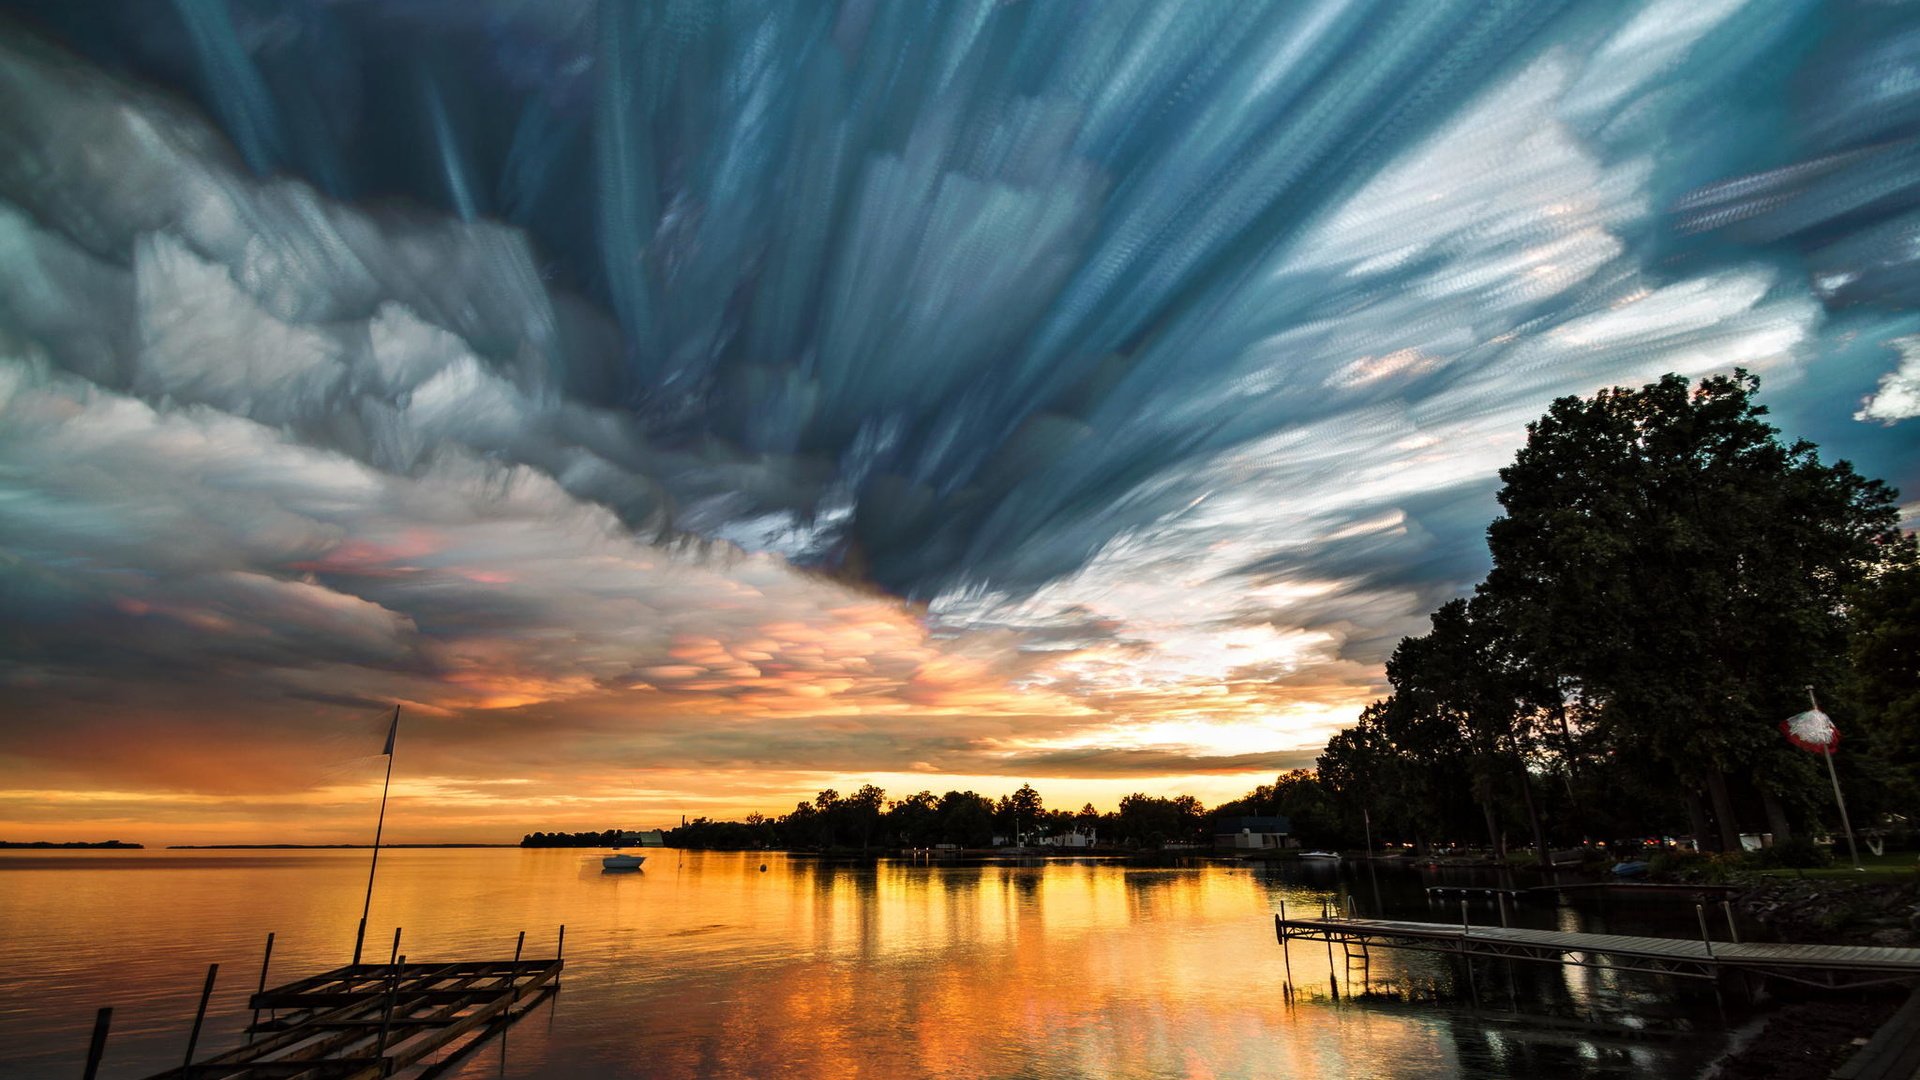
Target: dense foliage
pixel 867 821
pixel 1669 579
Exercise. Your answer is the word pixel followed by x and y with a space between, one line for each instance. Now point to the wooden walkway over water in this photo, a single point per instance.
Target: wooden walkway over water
pixel 365 1021
pixel 1825 966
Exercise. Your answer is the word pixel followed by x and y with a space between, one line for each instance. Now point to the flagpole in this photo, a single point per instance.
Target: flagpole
pixel 360 937
pixel 1837 797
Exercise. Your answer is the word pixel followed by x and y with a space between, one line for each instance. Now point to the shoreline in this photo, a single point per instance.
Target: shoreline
pixel 69 845
pixel 319 847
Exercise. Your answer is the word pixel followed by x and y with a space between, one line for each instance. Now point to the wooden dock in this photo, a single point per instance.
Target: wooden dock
pixel 365 1021
pixel 1824 966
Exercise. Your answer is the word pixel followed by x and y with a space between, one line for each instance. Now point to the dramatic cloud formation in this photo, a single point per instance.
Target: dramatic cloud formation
pixel 794 395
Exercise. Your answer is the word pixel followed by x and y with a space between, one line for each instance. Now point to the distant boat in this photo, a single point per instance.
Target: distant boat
pixel 1320 856
pixel 1630 868
pixel 622 862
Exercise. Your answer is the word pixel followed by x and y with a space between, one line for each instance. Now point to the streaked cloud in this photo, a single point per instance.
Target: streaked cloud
pixel 1108 430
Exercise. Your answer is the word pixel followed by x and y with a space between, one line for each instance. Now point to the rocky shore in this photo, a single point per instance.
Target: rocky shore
pixel 1828 912
pixel 1808 1039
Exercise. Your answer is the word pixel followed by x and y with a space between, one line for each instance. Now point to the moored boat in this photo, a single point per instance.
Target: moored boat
pixel 1320 856
pixel 618 861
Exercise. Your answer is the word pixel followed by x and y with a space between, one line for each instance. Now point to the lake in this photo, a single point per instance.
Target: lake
pixel 704 965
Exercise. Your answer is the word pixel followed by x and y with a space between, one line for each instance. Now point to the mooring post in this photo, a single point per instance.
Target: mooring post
pixel 199 1015
pixel 1502 899
pixel 1733 928
pixel 513 977
pixel 386 1011
pixel 1705 939
pixel 98 1047
pixel 1333 975
pixel 560 954
pixel 1465 922
pixel 265 959
pixel 1280 929
pixel 394 956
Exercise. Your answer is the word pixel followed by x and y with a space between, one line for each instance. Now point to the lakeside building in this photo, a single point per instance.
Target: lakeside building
pixel 1253 833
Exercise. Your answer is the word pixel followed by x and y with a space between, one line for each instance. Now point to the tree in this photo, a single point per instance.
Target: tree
pixel 914 820
pixel 1885 660
pixel 966 818
pixel 1149 821
pixel 863 808
pixel 1466 683
pixel 1676 572
pixel 1020 811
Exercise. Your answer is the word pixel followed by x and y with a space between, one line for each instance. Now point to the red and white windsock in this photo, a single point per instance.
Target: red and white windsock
pixel 1812 730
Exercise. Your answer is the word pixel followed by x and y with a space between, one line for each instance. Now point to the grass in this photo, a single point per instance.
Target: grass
pixel 1894 865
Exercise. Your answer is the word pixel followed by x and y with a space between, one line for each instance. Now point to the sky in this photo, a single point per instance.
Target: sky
pixel 678 409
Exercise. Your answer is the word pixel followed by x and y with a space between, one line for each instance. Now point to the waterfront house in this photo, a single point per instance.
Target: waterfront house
pixel 1252 833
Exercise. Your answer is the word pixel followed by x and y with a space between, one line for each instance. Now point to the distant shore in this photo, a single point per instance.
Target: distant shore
pixel 314 847
pixel 42 845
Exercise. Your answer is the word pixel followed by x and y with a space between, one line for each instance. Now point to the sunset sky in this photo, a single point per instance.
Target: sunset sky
pixel 1084 396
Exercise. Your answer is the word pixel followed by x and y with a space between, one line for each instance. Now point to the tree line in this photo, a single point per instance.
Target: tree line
pixel 867 820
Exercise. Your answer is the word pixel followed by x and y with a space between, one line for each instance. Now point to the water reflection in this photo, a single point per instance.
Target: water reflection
pixel 701 965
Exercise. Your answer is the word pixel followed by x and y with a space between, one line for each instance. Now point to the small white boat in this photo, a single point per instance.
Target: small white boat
pixel 622 862
pixel 1320 856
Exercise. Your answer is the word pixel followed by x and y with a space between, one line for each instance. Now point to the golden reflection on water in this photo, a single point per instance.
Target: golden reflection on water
pixel 703 965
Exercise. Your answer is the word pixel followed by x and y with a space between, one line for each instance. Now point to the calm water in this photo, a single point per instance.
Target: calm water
pixel 702 965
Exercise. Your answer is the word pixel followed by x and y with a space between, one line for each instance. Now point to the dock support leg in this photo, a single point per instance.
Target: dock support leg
pixel 1286 957
pixel 560 952
pixel 1333 974
pixel 513 978
pixel 199 1015
pixel 265 959
pixel 386 1012
pixel 98 1047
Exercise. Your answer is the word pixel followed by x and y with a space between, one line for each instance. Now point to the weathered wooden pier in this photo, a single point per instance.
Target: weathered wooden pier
pixel 1823 966
pixel 367 1021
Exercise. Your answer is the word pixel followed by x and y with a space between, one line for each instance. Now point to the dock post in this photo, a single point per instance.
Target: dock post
pixel 1466 923
pixel 394 956
pixel 560 954
pixel 1333 974
pixel 386 1011
pixel 265 959
pixel 1279 926
pixel 1733 928
pixel 1706 939
pixel 98 1047
pixel 1501 898
pixel 513 977
pixel 199 1015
